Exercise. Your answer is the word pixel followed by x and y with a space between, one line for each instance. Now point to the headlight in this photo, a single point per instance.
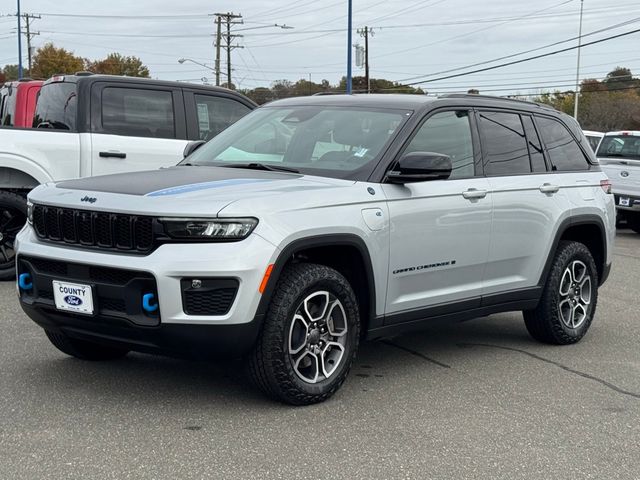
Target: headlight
pixel 30 213
pixel 209 229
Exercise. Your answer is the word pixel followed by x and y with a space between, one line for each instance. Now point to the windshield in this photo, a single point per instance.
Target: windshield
pixel 620 146
pixel 316 140
pixel 9 107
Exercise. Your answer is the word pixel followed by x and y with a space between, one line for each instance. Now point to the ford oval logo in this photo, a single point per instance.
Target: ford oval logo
pixel 73 300
pixel 624 174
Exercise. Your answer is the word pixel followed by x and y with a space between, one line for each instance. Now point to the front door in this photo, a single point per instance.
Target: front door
pixel 440 229
pixel 135 128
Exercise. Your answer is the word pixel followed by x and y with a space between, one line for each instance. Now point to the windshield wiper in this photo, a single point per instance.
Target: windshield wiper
pixel 262 166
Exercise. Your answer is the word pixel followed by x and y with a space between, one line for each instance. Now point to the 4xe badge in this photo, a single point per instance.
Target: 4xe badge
pixel 86 198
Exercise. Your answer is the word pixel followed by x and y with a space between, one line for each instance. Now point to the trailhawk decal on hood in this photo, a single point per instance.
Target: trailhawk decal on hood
pixel 205 186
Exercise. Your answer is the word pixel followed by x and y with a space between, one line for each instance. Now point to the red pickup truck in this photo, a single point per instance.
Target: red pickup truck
pixel 18 103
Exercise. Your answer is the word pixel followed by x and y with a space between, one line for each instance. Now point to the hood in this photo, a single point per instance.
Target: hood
pixel 176 191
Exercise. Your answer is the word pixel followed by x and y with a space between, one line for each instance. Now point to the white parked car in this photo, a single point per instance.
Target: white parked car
pixel 619 156
pixel 594 138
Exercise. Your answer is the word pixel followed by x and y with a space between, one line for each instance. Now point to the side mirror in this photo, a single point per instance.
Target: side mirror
pixel 192 147
pixel 419 167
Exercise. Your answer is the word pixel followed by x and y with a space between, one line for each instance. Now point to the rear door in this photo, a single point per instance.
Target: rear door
pixel 528 202
pixel 207 114
pixel 440 229
pixel 135 127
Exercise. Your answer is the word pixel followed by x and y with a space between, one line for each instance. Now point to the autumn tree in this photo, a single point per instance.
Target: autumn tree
pixel 10 72
pixel 50 60
pixel 116 64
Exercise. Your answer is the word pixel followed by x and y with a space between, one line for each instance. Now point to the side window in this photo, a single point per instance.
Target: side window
pixel 535 147
pixel 136 112
pixel 217 113
pixel 564 152
pixel 448 133
pixel 504 144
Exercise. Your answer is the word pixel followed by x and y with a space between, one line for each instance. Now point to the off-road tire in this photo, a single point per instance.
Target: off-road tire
pixel 84 350
pixel 270 365
pixel 544 322
pixel 16 203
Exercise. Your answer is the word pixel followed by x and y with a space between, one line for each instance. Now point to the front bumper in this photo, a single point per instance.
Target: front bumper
pixel 165 272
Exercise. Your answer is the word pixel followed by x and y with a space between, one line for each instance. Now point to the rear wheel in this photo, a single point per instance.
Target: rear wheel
pixel 569 299
pixel 13 216
pixel 84 350
pixel 309 337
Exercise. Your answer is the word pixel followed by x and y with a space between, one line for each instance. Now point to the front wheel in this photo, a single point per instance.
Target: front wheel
pixel 13 216
pixel 309 338
pixel 568 302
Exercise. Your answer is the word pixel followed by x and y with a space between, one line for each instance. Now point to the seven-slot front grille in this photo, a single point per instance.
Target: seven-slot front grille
pixel 94 229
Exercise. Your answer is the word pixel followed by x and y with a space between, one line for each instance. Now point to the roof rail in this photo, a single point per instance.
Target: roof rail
pixel 493 97
pixel 84 74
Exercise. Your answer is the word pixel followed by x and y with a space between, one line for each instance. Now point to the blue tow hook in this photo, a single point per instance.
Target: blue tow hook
pixel 148 303
pixel 24 281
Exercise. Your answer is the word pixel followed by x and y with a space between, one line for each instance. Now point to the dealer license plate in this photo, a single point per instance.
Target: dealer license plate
pixel 73 297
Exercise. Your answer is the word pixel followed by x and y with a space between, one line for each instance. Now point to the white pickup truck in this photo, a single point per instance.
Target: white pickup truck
pixel 88 125
pixel 619 157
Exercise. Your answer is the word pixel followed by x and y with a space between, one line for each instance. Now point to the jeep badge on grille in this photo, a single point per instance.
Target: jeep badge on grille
pixel 88 199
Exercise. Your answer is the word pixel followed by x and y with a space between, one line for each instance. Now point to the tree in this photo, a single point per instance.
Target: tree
pixel 49 61
pixel 10 72
pixel 116 64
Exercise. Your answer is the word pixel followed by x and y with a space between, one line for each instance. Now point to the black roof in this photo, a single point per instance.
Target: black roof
pixel 86 77
pixel 411 101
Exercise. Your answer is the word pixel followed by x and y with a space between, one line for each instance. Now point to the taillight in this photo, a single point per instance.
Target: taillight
pixel 606 185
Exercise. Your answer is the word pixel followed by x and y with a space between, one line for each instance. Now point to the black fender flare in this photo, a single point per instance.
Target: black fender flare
pixel 338 239
pixel 576 220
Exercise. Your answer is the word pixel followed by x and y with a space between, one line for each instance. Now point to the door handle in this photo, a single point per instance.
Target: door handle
pixel 548 188
pixel 474 193
pixel 112 155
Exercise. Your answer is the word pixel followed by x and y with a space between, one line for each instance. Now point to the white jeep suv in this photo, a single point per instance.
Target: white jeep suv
pixel 315 222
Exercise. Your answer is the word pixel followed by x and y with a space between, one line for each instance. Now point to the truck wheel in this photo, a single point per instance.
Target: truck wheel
pixel 568 302
pixel 633 221
pixel 309 337
pixel 13 215
pixel 82 349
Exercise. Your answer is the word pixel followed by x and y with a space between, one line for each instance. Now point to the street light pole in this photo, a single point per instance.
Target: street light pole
pixel 19 43
pixel 349 48
pixel 577 96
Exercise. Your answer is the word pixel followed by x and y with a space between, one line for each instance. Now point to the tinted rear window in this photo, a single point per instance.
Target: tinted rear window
pixel 9 107
pixel 57 107
pixel 620 146
pixel 564 153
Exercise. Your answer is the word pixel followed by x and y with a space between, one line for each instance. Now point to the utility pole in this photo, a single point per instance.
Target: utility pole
pixel 229 19
pixel 30 35
pixel 218 40
pixel 577 96
pixel 365 32
pixel 19 43
pixel 349 28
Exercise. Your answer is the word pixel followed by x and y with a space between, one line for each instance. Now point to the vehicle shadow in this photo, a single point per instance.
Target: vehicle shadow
pixel 197 385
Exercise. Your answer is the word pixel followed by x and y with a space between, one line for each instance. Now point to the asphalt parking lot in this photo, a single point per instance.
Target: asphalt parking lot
pixel 474 400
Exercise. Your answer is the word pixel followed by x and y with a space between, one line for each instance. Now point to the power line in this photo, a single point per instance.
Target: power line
pixel 473 32
pixel 535 57
pixel 505 57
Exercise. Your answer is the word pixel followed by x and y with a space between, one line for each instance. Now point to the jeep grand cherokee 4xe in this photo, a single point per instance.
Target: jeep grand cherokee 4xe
pixel 315 222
